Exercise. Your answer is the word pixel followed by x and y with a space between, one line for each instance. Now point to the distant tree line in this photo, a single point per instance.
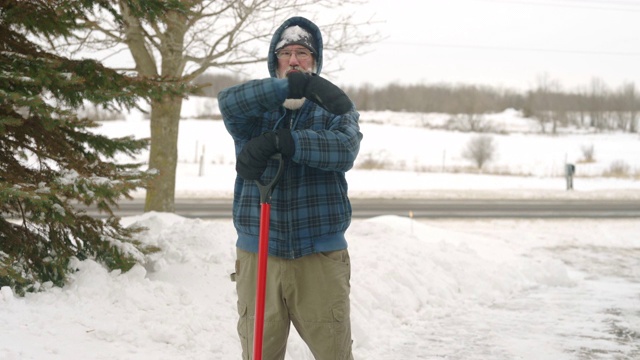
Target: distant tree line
pixel 595 106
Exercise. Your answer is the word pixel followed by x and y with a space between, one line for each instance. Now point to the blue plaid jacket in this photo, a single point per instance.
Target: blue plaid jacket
pixel 310 210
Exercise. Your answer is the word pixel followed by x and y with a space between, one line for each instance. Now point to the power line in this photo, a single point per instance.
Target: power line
pixel 549 3
pixel 507 48
pixel 597 5
pixel 606 3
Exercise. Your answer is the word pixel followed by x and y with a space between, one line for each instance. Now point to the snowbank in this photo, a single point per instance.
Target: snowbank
pixel 181 304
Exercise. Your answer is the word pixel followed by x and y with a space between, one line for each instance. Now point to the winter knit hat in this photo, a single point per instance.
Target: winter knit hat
pixel 295 35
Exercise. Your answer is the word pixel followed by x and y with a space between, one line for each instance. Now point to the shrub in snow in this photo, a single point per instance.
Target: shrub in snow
pixel 588 153
pixel 618 168
pixel 480 150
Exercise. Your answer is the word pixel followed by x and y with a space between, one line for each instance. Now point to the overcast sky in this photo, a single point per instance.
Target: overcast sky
pixel 508 43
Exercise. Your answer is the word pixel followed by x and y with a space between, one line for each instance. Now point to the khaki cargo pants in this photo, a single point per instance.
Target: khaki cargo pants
pixel 311 292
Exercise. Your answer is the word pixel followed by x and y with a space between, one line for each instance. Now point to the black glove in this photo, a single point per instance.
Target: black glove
pixel 318 90
pixel 253 158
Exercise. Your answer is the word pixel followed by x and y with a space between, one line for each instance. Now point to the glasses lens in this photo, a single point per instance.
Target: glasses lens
pixel 300 54
pixel 283 54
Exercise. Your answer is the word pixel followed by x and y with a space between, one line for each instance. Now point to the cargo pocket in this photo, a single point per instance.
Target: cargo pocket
pixel 342 332
pixel 338 314
pixel 243 330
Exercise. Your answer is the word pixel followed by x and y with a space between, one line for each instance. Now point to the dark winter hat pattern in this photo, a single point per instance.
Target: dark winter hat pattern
pixel 296 35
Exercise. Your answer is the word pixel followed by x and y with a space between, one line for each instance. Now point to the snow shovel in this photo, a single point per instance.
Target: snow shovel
pixel 263 251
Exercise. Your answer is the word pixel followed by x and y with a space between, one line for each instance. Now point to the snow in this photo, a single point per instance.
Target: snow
pixel 421 289
pixel 293 34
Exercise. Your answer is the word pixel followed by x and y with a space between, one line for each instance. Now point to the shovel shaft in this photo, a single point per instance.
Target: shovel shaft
pixel 263 251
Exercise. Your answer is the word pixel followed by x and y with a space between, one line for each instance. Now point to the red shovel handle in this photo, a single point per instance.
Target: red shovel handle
pixel 263 251
pixel 261 287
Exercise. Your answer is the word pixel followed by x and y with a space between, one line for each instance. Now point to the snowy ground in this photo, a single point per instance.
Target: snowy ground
pixel 433 289
pixel 503 289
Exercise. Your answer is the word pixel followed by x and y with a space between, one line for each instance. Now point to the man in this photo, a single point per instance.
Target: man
pixel 314 125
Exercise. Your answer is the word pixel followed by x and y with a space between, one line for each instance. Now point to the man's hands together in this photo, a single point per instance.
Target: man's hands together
pixel 253 158
pixel 320 91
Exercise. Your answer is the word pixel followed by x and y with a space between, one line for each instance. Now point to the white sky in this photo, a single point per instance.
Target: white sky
pixel 506 43
pixel 500 42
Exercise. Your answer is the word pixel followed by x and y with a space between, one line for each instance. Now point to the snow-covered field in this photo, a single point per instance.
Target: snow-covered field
pixel 432 289
pixel 419 161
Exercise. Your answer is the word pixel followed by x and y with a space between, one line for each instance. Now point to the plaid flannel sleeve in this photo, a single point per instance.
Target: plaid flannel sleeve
pixel 242 106
pixel 332 149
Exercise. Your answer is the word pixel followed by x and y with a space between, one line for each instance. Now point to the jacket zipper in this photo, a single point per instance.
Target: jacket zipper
pixel 290 190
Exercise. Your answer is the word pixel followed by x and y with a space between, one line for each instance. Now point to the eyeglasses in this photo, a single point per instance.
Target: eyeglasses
pixel 301 54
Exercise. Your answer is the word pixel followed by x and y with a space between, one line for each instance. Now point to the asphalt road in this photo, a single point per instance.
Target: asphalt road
pixel 428 208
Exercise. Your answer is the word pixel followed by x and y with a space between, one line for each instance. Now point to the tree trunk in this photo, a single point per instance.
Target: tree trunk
pixel 163 155
pixel 633 121
pixel 165 119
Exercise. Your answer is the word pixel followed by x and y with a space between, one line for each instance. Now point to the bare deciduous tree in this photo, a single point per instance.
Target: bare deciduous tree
pixel 544 103
pixel 588 153
pixel 480 150
pixel 625 106
pixel 597 95
pixel 189 38
pixel 473 103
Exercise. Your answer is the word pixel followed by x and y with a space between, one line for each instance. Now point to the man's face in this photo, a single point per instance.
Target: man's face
pixel 294 58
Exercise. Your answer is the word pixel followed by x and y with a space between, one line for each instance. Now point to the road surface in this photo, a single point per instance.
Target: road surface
pixel 427 208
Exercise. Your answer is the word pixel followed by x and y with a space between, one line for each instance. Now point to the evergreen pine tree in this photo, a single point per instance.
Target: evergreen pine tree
pixel 50 160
